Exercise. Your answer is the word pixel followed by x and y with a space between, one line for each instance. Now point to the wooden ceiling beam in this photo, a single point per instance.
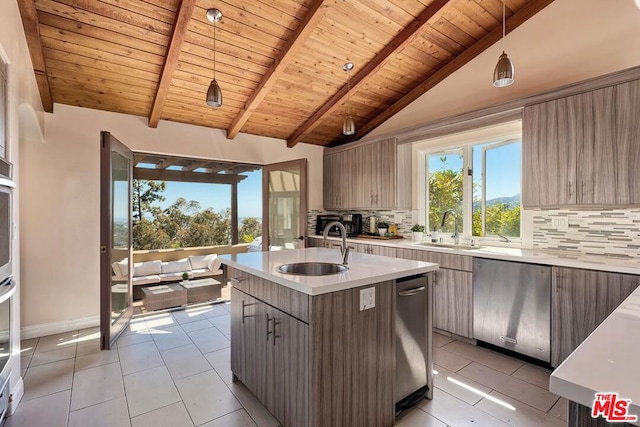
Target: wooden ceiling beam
pixel 32 33
pixel 414 30
pixel 520 17
pixel 183 17
pixel 182 176
pixel 196 165
pixel 293 45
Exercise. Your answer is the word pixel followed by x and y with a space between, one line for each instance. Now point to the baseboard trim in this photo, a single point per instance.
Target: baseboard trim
pixel 44 329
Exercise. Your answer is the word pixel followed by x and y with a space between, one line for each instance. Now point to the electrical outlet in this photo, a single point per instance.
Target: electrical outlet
pixel 560 223
pixel 367 298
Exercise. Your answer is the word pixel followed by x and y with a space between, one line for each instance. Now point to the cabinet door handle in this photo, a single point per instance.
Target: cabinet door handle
pixel 268 331
pixel 274 330
pixel 569 183
pixel 582 192
pixel 237 280
pixel 244 305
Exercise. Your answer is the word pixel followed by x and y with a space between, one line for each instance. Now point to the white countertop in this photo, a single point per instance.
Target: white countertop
pixel 533 256
pixel 607 361
pixel 363 269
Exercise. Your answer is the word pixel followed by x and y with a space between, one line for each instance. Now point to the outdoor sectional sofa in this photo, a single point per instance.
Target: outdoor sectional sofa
pixel 151 272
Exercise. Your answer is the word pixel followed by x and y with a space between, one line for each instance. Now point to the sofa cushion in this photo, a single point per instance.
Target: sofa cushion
pixel 168 277
pixel 116 270
pixel 147 268
pixel 214 263
pixel 201 261
pixel 179 266
pixel 145 280
pixel 205 272
pixel 123 268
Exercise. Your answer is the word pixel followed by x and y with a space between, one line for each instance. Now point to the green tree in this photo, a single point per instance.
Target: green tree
pixel 445 192
pixel 250 229
pixel 145 193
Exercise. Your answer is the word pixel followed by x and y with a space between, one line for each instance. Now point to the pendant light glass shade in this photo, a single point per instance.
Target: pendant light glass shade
pixel 503 74
pixel 504 71
pixel 348 126
pixel 214 95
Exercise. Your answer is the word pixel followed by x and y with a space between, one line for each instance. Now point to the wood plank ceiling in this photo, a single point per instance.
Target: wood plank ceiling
pixel 278 62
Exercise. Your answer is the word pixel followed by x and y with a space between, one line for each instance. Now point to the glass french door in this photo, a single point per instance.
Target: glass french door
pixel 116 170
pixel 284 205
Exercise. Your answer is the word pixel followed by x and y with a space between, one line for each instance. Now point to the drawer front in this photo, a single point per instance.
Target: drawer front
pixel 450 261
pixel 289 301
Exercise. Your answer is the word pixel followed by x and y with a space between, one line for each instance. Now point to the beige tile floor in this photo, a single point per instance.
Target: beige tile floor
pixel 172 369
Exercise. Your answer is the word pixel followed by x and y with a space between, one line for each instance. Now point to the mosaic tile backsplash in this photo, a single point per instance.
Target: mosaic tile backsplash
pixel 614 233
pixel 404 226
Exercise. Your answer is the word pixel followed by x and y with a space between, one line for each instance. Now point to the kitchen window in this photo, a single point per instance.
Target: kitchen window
pixel 480 180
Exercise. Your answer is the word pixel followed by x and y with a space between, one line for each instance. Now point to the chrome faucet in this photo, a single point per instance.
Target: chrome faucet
pixel 455 236
pixel 344 250
pixel 504 238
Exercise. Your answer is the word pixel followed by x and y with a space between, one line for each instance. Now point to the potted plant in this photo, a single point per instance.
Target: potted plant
pixel 185 277
pixel 418 232
pixel 382 228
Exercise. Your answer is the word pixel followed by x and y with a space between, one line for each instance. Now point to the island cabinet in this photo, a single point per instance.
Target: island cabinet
pixel 452 292
pixel 580 301
pixel 582 149
pixel 374 175
pixel 314 360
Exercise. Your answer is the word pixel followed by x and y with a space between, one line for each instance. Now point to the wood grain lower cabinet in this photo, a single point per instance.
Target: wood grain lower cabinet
pixel 453 302
pixel 334 369
pixel 270 357
pixel 580 301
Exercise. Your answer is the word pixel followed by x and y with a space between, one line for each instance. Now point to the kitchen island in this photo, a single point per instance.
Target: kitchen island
pixel 606 362
pixel 316 350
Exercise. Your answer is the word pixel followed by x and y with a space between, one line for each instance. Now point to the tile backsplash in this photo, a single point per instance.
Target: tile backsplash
pixel 404 226
pixel 614 232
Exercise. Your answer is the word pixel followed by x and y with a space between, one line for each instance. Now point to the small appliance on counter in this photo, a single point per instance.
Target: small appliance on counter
pixel 352 223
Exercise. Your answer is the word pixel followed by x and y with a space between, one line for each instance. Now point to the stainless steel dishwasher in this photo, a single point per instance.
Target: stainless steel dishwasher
pixel 512 306
pixel 414 373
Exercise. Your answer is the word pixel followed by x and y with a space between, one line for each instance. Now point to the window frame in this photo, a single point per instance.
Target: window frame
pixel 499 135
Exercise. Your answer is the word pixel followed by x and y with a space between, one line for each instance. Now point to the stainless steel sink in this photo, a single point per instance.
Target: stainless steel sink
pixel 312 268
pixel 449 245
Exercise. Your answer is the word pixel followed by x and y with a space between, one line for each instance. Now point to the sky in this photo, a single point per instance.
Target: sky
pixel 503 164
pixel 218 196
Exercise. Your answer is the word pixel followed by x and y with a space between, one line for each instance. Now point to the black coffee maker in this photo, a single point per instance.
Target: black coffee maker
pixel 352 224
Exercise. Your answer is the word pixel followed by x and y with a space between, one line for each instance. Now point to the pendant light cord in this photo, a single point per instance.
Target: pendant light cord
pixel 214 50
pixel 349 92
pixel 504 25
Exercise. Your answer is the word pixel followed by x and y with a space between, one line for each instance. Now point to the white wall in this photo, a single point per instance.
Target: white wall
pixel 567 42
pixel 25 120
pixel 60 215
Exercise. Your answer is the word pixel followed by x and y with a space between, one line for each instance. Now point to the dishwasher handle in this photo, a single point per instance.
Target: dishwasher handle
pixel 412 291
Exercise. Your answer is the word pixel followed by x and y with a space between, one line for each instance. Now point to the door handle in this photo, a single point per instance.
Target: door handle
pixel 268 331
pixel 410 292
pixel 300 237
pixel 244 316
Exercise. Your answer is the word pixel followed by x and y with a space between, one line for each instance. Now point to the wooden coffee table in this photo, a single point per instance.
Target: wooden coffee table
pixel 202 290
pixel 163 296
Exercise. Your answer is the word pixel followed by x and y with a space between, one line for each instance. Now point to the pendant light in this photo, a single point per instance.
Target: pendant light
pixel 504 72
pixel 348 126
pixel 214 94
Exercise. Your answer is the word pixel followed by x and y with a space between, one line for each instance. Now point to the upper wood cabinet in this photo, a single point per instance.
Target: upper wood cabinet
pixel 368 176
pixel 580 150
